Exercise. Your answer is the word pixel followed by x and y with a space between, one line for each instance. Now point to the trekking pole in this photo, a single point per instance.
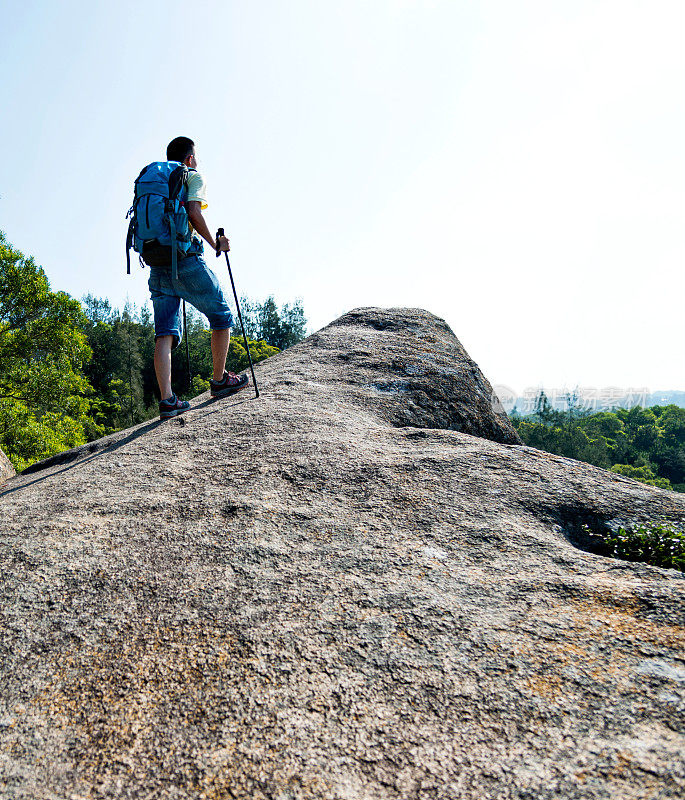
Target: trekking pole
pixel 185 328
pixel 220 233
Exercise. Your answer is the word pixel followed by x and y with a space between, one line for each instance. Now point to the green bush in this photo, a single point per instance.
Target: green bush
pixel 653 543
pixel 644 474
pixel 199 386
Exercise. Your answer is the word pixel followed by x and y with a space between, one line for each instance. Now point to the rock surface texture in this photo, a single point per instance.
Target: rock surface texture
pixel 6 468
pixel 358 586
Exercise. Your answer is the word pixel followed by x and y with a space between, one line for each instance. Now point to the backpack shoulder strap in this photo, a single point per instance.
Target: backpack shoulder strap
pixel 174 247
pixel 177 180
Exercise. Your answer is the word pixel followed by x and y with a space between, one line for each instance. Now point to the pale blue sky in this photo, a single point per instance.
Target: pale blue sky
pixel 515 167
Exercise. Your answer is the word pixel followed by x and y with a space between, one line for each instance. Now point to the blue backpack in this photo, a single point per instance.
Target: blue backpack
pixel 159 230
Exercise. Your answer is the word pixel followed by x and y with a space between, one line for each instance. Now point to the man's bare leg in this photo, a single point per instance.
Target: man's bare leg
pixel 220 342
pixel 163 365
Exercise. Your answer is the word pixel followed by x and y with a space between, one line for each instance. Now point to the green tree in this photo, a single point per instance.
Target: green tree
pixel 44 394
pixel 647 444
pixel 545 413
pixel 607 433
pixel 281 329
pixel 120 343
pixel 199 348
pixel 122 368
pixel 640 425
pixel 672 426
pixel 237 359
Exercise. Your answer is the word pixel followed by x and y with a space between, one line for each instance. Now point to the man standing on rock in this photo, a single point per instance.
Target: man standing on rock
pixel 199 286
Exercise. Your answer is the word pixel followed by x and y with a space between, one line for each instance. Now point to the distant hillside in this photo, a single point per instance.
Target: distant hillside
pixel 666 398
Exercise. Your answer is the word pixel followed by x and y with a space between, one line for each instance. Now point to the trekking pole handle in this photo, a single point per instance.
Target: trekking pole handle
pixel 219 234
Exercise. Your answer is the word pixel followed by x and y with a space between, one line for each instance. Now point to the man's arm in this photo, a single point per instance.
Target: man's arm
pixel 194 208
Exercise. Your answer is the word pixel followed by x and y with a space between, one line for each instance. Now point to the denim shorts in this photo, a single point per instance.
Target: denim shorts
pixel 196 284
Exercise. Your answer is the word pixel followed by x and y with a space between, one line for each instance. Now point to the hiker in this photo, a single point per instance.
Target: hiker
pixel 183 274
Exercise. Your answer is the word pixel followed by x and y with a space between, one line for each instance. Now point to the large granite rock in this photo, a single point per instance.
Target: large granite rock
pixel 357 586
pixel 6 468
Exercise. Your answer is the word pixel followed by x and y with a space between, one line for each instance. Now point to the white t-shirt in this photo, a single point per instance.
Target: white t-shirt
pixel 197 189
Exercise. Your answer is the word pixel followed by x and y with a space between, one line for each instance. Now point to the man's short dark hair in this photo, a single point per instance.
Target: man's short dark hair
pixel 179 149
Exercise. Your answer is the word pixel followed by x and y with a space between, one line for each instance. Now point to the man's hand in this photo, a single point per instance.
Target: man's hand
pixel 198 222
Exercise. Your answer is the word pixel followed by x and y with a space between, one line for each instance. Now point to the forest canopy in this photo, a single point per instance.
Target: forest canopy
pixel 46 402
pixel 646 444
